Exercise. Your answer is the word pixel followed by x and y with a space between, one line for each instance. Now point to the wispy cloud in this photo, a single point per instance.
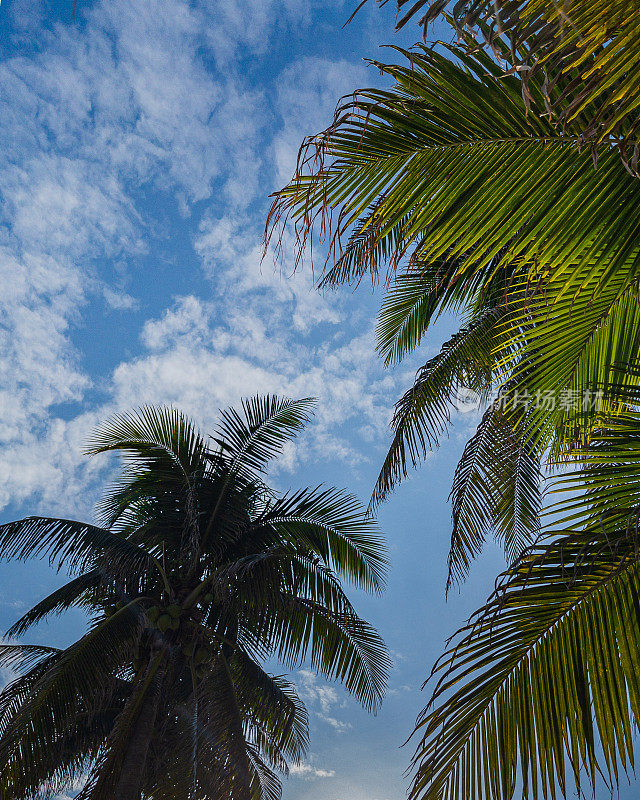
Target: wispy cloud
pixel 309 772
pixel 139 105
pixel 322 700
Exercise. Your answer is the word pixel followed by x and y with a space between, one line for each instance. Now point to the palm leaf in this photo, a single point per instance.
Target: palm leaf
pixel 274 706
pixel 496 489
pixel 165 695
pixel 343 647
pixel 576 336
pixel 422 415
pixel 75 545
pixel 252 438
pixel 162 436
pixel 136 720
pixel 542 684
pixel 413 301
pixel 592 46
pixel 451 154
pixel 73 593
pixel 71 684
pixel 333 524
pixel 22 656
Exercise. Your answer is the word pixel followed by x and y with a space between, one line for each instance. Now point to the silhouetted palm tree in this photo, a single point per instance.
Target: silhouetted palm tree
pixel 197 574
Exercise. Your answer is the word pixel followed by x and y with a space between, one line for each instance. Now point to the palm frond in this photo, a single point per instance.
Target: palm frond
pixel 590 46
pixel 496 489
pixel 67 543
pixel 67 596
pixel 165 696
pixel 422 415
pixel 23 656
pixel 413 301
pixel 162 436
pixel 252 438
pixel 333 524
pixel 272 703
pixel 66 758
pixel 72 683
pixel 343 647
pixel 576 337
pixel 541 685
pixel 452 151
pixel 600 489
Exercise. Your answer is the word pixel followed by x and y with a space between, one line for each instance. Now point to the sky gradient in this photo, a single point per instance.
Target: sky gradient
pixel 140 142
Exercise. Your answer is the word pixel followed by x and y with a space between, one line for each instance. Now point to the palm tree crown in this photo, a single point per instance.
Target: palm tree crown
pixel 197 573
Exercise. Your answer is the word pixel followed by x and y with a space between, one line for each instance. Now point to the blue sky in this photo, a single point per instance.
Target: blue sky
pixel 140 143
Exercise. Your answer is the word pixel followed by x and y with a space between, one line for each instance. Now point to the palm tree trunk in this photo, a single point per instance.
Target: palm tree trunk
pixel 129 785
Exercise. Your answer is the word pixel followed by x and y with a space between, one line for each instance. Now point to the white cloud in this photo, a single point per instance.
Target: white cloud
pixel 119 300
pixel 95 115
pixel 314 690
pixel 132 104
pixel 7 675
pixel 309 772
pixel 322 699
pixel 203 362
pixel 338 725
pixel 232 257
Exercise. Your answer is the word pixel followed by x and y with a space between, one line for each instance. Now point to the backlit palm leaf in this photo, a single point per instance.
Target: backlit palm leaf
pixel 592 47
pixel 497 489
pixel 422 415
pixel 451 156
pixel 542 684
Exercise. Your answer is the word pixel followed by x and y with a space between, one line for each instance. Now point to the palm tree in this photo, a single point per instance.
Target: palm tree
pixel 529 229
pixel 197 573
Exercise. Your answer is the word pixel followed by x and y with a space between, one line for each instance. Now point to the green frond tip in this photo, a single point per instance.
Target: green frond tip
pixel 587 49
pixel 423 413
pixel 497 490
pixel 252 437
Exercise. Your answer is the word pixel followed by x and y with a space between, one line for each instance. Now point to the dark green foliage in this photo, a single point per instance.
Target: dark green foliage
pixel 199 573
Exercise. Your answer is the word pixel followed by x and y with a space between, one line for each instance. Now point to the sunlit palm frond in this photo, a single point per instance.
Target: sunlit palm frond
pixel 590 46
pixel 452 151
pixel 578 335
pixel 412 302
pixel 541 686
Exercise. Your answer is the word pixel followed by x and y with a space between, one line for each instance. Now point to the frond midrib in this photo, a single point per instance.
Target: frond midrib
pixel 543 141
